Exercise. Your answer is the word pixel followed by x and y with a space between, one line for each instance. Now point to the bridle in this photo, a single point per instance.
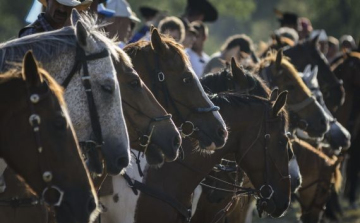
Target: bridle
pixel 47 176
pixel 313 205
pixel 157 76
pixel 145 138
pixel 296 120
pixel 90 146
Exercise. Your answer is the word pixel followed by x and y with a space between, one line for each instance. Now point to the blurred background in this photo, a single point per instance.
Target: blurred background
pixel 255 18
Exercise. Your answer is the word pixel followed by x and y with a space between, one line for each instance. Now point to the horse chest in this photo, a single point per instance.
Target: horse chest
pixel 121 205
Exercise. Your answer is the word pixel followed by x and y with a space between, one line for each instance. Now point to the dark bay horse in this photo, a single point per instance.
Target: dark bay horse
pixel 213 201
pixel 163 66
pixel 148 124
pixel 38 143
pixel 175 182
pixel 307 52
pixel 305 111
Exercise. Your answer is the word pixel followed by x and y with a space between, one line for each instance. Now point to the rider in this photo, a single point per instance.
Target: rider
pixel 56 16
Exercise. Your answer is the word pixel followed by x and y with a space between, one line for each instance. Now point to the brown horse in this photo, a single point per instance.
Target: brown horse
pixel 33 116
pixel 213 201
pixel 149 125
pixel 319 174
pixel 170 187
pixel 305 111
pixel 163 66
pixel 307 52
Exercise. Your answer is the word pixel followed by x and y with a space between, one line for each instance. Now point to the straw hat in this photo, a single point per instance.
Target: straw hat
pixel 78 4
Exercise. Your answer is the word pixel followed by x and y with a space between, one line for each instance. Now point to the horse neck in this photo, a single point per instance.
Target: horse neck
pixel 304 156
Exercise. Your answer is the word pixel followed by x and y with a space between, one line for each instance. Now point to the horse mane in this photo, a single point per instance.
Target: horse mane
pixel 315 154
pixel 287 65
pixel 44 75
pixel 124 57
pixel 54 42
pixel 235 99
pixel 133 48
pixel 216 82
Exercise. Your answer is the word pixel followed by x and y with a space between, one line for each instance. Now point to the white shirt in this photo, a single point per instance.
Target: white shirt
pixel 198 63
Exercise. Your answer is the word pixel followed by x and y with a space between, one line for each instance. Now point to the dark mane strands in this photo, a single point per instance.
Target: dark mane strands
pixel 217 82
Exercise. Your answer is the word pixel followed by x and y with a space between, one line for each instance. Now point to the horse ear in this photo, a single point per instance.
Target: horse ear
pixel 279 103
pixel 152 27
pixel 81 34
pixel 315 40
pixel 239 74
pixel 314 73
pixel 274 94
pixel 279 57
pixel 30 71
pixel 75 16
pixel 156 42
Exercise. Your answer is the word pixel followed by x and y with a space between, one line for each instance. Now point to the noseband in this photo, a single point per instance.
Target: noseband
pixel 145 138
pixel 187 128
pixel 89 146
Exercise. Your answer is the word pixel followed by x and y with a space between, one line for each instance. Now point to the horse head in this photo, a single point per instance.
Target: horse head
pixel 163 65
pixel 34 117
pixel 305 111
pixel 150 127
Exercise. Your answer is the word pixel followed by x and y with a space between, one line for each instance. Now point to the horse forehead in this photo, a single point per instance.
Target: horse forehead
pixel 102 69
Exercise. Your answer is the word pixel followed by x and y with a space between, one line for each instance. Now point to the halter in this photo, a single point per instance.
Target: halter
pixel 313 203
pixel 145 138
pixel 187 128
pixel 89 146
pixel 47 176
pixel 292 108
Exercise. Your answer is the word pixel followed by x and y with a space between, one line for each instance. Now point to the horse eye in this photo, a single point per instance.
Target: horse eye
pixel 187 80
pixel 135 83
pixel 107 89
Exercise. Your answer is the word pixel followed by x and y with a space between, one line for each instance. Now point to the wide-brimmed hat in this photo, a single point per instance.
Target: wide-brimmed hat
pixel 78 4
pixel 286 18
pixel 121 8
pixel 203 6
pixel 147 11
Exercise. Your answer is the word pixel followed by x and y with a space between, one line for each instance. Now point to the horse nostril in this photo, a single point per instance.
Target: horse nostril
pixel 122 162
pixel 91 205
pixel 177 142
pixel 222 133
